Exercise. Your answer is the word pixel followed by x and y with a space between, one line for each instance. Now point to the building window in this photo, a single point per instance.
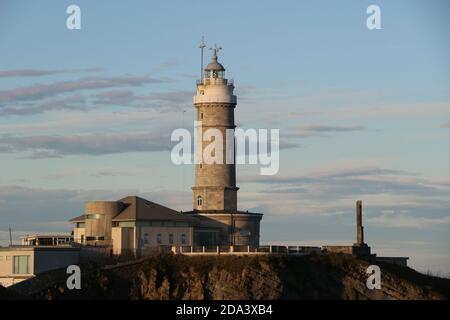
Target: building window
pixel 199 201
pixel 171 238
pixel 126 224
pixel 94 216
pixel 8 258
pixel 158 238
pixel 201 165
pixel 201 115
pixel 183 238
pixel 145 238
pixel 21 264
pixel 95 238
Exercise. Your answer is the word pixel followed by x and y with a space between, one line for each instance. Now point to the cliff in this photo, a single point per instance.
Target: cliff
pixel 328 276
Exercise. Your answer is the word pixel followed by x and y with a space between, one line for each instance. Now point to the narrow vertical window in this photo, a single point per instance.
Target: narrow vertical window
pixel 199 201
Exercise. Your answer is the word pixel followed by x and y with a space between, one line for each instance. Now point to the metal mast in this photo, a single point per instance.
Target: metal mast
pixel 202 46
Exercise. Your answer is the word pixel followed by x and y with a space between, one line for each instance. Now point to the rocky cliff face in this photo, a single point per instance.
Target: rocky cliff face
pixel 329 276
pixel 3 293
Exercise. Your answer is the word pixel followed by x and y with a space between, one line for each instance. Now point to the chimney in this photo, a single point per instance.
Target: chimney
pixel 359 227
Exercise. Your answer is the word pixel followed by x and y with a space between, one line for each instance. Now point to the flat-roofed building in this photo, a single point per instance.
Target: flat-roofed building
pixel 18 263
pixel 46 239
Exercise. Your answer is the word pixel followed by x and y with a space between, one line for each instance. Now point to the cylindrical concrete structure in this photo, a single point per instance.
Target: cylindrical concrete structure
pixel 98 222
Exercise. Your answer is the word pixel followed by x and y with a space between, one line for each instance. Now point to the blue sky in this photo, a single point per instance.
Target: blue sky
pixel 87 114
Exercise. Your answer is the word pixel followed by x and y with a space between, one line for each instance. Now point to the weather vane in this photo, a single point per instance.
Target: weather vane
pixel 216 49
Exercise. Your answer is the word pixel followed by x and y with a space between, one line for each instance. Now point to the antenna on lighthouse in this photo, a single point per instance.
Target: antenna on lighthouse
pixel 202 46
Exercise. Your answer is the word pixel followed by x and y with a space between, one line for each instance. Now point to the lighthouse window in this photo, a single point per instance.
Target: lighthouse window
pixel 199 201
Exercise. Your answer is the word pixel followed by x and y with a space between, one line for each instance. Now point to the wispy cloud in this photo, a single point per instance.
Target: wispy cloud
pixel 104 171
pixel 88 144
pixel 114 97
pixel 333 192
pixel 168 63
pixel 372 110
pixel 394 219
pixel 51 208
pixel 96 119
pixel 341 183
pixel 40 91
pixel 162 100
pixel 445 125
pixel 75 102
pixel 16 73
pixel 314 130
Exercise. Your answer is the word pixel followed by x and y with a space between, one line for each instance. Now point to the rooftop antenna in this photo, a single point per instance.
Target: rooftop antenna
pixel 10 237
pixel 202 46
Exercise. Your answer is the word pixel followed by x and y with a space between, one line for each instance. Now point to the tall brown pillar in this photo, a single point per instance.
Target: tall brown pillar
pixel 359 227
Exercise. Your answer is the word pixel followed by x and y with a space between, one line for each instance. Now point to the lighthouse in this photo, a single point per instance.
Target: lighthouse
pixel 215 102
pixel 215 200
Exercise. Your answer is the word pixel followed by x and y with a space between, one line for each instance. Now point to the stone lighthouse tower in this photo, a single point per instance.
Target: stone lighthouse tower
pixel 215 183
pixel 215 191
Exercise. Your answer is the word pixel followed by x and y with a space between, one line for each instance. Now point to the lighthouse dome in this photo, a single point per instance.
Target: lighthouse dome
pixel 214 65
